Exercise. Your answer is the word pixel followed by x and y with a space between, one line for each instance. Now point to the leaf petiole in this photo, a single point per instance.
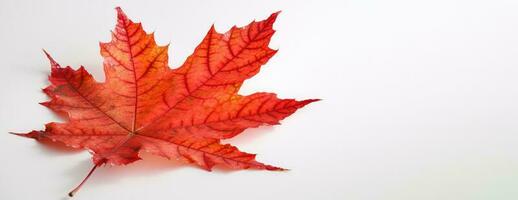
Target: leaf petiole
pixel 71 193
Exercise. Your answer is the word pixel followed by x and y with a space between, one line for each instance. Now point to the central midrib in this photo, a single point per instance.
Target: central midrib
pixel 131 133
pixel 134 80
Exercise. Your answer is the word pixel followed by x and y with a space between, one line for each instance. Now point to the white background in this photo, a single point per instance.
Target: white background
pixel 420 99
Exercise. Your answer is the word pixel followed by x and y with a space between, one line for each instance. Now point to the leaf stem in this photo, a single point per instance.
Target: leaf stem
pixel 71 193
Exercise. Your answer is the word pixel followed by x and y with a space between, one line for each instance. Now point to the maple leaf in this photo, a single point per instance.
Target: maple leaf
pixel 145 106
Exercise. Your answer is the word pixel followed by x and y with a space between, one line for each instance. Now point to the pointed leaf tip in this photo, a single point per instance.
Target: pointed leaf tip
pixel 120 14
pixel 32 134
pixel 119 10
pixel 308 101
pixel 274 168
pixel 53 63
pixel 273 16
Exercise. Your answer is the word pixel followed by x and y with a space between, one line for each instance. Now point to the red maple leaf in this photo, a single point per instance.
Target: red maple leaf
pixel 183 113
